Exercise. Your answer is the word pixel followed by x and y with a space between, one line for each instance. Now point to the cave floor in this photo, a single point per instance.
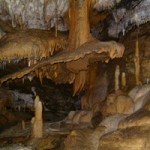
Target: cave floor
pixel 55 134
pixel 18 138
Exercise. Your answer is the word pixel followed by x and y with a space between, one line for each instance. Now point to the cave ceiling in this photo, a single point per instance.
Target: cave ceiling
pixel 21 14
pixel 28 32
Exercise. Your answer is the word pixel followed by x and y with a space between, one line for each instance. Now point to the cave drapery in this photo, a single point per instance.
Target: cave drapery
pixel 90 44
pixel 73 63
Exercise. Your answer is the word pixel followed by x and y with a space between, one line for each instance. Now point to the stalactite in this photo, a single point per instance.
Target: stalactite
pixel 101 52
pixel 123 79
pixel 124 19
pixel 79 82
pixel 137 63
pixel 79 34
pixel 20 13
pixel 105 4
pixel 39 44
pixel 23 124
pixel 79 23
pixel 40 75
pixel 117 79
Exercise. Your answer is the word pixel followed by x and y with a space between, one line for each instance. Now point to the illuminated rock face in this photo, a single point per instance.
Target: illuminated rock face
pixel 44 14
pixel 118 104
pixel 33 14
pixel 133 134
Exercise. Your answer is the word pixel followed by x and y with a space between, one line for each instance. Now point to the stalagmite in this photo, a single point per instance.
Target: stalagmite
pixel 37 122
pixel 23 124
pixel 117 74
pixel 137 63
pixel 123 79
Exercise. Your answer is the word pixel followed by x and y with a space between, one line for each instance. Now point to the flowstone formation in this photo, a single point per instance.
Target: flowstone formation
pixel 111 114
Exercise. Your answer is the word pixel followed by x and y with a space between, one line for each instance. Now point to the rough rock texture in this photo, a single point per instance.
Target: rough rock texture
pixel 77 117
pixel 133 134
pixel 107 4
pixel 92 51
pixel 140 118
pixel 122 104
pixel 124 18
pixel 33 14
pixel 50 142
pixel 111 122
pixel 136 138
pixel 31 44
pixel 140 96
pixel 85 139
pixel 42 14
pixel 144 42
pixel 5 101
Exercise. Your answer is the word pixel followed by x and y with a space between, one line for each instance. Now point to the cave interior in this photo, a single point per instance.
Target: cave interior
pixel 76 74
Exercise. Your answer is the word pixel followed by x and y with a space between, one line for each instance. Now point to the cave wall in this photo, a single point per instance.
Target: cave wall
pixel 141 35
pixel 121 19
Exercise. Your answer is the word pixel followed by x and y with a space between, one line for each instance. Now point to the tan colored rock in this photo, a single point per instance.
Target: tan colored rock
pixel 70 117
pixel 135 138
pixel 85 139
pixel 141 118
pixel 111 122
pixel 118 104
pixel 124 104
pixel 86 118
pixel 54 141
pixel 37 122
pixel 77 117
pixel 133 133
pixel 147 106
pixel 109 107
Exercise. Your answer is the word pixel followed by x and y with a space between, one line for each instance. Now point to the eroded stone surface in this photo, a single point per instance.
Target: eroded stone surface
pixel 135 138
pixel 141 118
pixel 133 133
pixel 115 104
pixel 85 139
